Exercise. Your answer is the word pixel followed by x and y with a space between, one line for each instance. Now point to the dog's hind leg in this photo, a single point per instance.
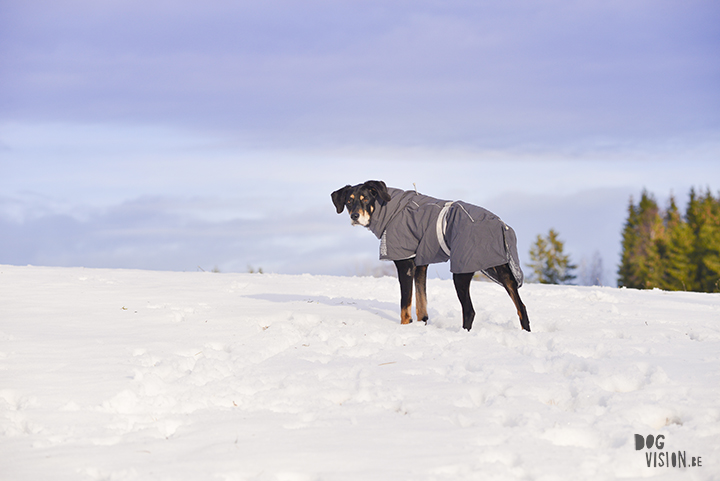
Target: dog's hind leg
pixel 406 272
pixel 462 287
pixel 505 276
pixel 421 293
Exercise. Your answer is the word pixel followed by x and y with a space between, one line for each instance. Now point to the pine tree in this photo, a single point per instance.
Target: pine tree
pixel 678 270
pixel 549 264
pixel 694 221
pixel 630 238
pixel 703 214
pixel 653 233
pixel 641 265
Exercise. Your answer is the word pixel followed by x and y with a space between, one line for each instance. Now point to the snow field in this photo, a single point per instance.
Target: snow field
pixel 120 374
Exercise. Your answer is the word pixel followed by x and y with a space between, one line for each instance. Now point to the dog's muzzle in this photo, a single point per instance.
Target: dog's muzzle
pixel 360 218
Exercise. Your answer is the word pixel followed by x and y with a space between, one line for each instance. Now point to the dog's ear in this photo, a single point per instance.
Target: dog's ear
pixel 379 188
pixel 339 197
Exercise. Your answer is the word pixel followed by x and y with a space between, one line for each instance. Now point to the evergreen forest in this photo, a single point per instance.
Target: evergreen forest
pixel 669 249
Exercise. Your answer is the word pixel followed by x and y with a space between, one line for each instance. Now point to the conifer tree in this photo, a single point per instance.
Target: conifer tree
pixel 630 238
pixel 703 214
pixel 653 233
pixel 679 272
pixel 641 265
pixel 549 264
pixel 694 221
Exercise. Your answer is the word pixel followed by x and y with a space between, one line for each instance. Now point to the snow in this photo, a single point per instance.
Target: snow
pixel 123 374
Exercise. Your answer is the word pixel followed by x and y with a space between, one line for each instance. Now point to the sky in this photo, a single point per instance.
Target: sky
pixel 185 135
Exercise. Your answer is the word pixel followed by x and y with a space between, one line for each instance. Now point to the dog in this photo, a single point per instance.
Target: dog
pixel 416 230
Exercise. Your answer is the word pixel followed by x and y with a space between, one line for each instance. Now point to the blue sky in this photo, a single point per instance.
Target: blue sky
pixel 171 135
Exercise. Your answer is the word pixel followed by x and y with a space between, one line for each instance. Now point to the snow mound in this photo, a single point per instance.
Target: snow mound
pixel 121 374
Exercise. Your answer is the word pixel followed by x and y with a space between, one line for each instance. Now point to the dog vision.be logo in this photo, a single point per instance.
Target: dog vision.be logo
pixel 656 457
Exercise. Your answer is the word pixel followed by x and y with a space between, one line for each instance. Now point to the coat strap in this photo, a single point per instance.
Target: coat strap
pixel 441 227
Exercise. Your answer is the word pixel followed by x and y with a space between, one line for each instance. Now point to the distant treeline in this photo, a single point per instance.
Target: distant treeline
pixel 671 250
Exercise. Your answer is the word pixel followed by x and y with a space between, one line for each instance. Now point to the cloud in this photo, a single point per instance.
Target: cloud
pixel 389 73
pixel 174 233
pixel 179 234
pixel 287 224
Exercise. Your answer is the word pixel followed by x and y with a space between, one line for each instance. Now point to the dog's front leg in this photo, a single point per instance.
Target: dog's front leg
pixel 421 293
pixel 406 272
pixel 462 287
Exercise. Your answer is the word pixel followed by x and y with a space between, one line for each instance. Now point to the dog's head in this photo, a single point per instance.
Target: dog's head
pixel 359 200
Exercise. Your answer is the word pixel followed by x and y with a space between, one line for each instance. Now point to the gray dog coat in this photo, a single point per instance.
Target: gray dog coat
pixel 432 231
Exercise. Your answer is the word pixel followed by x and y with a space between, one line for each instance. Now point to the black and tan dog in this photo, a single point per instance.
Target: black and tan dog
pixel 416 230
